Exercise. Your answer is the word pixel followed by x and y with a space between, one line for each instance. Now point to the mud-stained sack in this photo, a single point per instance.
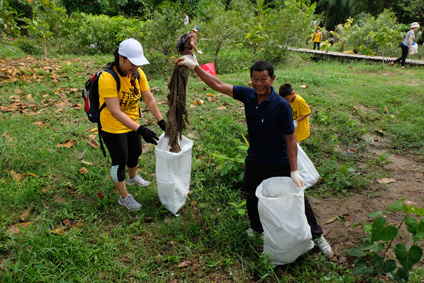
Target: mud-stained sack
pixel 287 234
pixel 173 171
pixel 306 169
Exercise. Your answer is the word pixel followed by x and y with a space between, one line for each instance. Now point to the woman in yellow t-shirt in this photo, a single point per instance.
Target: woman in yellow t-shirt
pixel 301 111
pixel 120 129
pixel 317 38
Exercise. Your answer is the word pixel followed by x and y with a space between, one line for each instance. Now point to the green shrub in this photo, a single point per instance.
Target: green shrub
pixel 29 46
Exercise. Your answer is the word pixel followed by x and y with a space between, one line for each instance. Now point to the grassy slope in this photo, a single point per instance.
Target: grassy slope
pixel 103 242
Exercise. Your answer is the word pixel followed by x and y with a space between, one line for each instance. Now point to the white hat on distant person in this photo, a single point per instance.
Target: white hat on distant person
pixel 133 50
pixel 415 25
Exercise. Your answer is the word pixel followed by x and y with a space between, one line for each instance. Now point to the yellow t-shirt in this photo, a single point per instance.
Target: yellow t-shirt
pixel 128 99
pixel 317 37
pixel 300 108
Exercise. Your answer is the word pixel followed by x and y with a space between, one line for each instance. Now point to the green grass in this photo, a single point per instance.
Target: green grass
pixel 101 241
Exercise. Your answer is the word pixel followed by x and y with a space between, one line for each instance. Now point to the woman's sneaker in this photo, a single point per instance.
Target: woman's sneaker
pixel 137 180
pixel 130 203
pixel 324 246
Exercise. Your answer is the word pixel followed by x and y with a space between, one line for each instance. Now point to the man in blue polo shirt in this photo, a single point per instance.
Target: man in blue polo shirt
pixel 273 148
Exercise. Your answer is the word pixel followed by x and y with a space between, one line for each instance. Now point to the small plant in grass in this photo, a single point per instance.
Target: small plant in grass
pixel 373 255
pixel 233 165
pixel 240 208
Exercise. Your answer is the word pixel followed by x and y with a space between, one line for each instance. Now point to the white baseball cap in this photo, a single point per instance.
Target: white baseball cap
pixel 132 49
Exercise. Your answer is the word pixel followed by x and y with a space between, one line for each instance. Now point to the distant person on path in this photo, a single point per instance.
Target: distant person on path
pixel 301 111
pixel 120 129
pixel 190 44
pixel 186 19
pixel 406 45
pixel 273 148
pixel 317 38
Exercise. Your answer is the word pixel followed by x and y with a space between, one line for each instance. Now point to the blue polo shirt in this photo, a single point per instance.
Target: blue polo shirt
pixel 267 123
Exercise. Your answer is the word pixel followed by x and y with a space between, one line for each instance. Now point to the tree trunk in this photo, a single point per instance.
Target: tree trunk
pixel 370 3
pixel 45 47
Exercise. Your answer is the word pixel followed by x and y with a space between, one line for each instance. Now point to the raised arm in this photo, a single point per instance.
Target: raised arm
pixel 212 81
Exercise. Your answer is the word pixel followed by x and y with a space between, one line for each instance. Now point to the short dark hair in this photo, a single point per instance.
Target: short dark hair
pixel 285 89
pixel 260 66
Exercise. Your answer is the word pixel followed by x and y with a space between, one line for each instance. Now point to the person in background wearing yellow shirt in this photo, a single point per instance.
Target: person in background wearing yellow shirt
pixel 317 38
pixel 301 111
pixel 120 129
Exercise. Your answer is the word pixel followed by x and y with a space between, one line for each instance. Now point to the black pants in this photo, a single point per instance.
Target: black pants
pixel 254 174
pixel 402 59
pixel 124 150
pixel 316 44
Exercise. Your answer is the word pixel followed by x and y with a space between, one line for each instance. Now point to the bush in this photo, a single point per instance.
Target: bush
pixel 159 65
pixel 29 46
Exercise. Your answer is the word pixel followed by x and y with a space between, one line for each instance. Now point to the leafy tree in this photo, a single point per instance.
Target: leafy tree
pixel 337 11
pixel 231 25
pixel 356 36
pixel 8 24
pixel 384 39
pixel 163 31
pixel 40 29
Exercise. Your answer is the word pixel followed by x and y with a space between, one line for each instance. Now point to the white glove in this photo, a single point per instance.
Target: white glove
pixel 295 124
pixel 297 179
pixel 187 62
pixel 200 52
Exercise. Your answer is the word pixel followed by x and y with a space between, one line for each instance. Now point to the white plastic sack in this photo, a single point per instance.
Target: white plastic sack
pixel 306 169
pixel 414 49
pixel 173 171
pixel 287 234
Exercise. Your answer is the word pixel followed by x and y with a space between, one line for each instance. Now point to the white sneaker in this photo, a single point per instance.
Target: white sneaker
pixel 137 180
pixel 324 246
pixel 130 203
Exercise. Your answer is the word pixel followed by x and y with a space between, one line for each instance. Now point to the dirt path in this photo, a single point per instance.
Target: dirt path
pixel 406 181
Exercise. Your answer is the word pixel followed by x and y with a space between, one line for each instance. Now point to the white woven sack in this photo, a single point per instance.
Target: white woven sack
pixel 173 171
pixel 287 234
pixel 306 169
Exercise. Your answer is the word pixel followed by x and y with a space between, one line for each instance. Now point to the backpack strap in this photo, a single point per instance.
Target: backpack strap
pixel 136 74
pixel 99 126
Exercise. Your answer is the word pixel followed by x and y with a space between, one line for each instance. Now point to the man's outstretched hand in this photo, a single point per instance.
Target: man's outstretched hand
pixel 186 61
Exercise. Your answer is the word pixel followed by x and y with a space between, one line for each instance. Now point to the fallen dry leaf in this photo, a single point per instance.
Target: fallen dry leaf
pixel 93 143
pixel 15 176
pixel 385 181
pixel 59 199
pixel 67 143
pixel 58 231
pixel 83 170
pixel 331 220
pixel 184 263
pixel 100 195
pixel 13 230
pixel 46 189
pixel 348 221
pixel 26 213
pixel 87 163
pixel 351 150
